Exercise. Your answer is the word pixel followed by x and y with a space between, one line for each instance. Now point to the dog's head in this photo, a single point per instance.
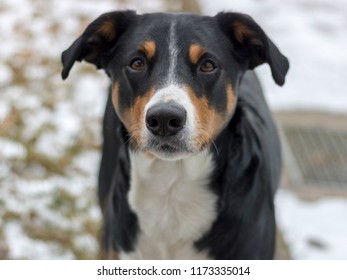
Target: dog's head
pixel 174 76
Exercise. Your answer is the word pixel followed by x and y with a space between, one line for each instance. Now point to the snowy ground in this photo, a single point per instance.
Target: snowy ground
pixel 49 129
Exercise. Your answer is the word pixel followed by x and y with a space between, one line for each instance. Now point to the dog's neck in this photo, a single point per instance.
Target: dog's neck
pixel 148 167
pixel 173 203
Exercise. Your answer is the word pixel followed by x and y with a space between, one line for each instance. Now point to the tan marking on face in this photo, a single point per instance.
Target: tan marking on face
pixel 148 48
pixel 133 118
pixel 107 30
pixel 242 31
pixel 231 97
pixel 195 53
pixel 209 122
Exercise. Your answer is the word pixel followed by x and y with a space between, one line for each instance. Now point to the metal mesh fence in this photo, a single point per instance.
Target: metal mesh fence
pixel 320 155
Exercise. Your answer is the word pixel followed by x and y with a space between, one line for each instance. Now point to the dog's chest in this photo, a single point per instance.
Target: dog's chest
pixel 173 204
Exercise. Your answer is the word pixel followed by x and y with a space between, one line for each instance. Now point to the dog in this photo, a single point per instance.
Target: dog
pixel 191 156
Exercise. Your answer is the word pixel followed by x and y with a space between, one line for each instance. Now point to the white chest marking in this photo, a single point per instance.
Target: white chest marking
pixel 173 204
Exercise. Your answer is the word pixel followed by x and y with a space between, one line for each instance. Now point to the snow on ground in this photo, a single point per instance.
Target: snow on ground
pixel 313 230
pixel 50 129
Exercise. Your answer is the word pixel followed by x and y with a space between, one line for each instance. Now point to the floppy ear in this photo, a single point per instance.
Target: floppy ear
pixel 99 37
pixel 252 45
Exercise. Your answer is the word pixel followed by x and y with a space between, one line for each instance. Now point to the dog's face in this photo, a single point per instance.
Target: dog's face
pixel 173 83
pixel 174 77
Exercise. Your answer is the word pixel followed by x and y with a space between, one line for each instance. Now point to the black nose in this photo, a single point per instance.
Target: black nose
pixel 166 119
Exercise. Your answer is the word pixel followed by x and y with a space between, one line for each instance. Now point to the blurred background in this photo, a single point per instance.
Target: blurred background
pixel 50 130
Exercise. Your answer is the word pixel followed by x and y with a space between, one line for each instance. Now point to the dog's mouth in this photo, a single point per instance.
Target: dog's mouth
pixel 168 148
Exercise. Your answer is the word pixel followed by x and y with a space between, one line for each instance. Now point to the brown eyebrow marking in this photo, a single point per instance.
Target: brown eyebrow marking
pixel 196 52
pixel 148 48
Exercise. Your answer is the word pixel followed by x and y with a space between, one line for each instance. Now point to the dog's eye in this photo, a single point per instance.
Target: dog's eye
pixel 207 66
pixel 137 64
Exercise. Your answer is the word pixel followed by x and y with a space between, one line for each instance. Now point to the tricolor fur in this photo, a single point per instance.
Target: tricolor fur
pixel 191 156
